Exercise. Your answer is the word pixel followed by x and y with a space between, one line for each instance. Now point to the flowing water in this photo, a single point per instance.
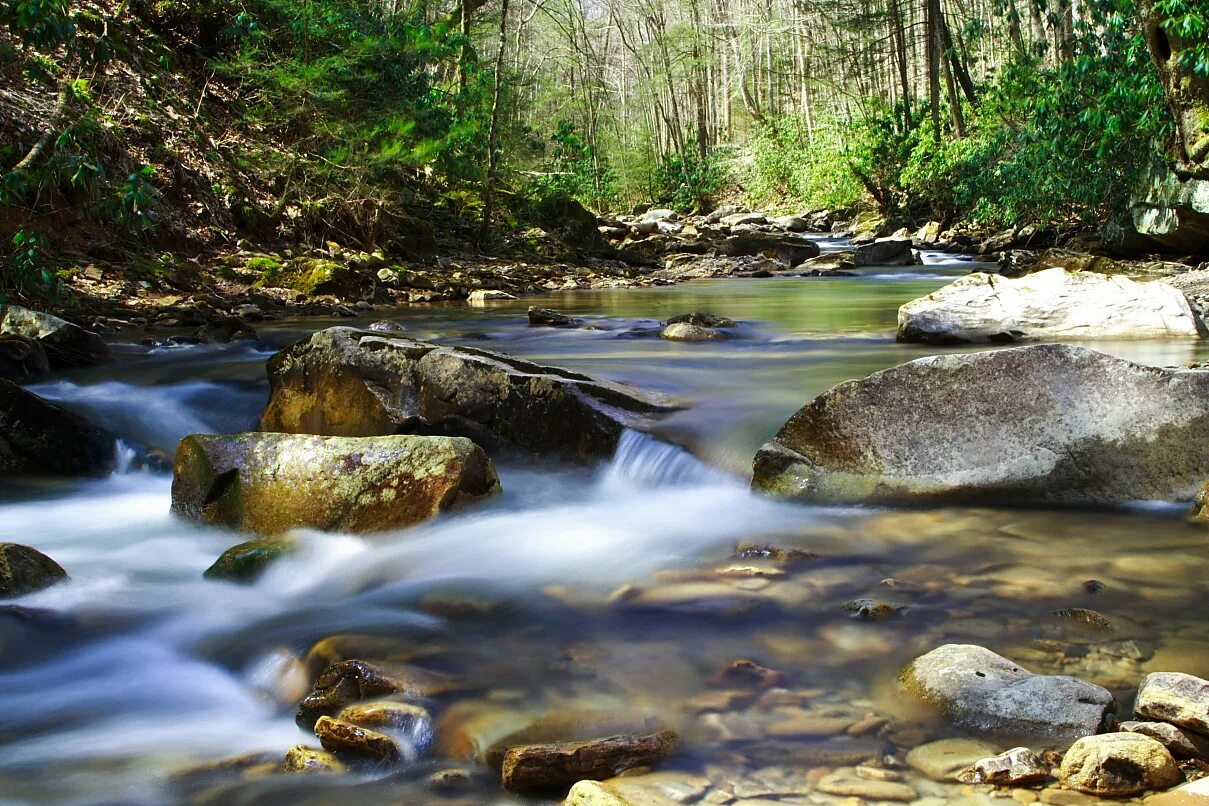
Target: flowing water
pixel 581 587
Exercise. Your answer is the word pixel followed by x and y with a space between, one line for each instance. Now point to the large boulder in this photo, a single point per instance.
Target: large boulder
pixel 1174 210
pixel 573 224
pixel 885 252
pixel 66 345
pixel 1050 304
pixel 978 690
pixel 786 249
pixel 37 436
pixel 271 483
pixel 346 382
pixel 1046 423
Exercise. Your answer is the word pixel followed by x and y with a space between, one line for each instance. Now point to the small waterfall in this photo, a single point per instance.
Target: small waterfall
pixel 641 459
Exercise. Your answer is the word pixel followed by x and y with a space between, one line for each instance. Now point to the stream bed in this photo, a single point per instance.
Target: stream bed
pixel 582 587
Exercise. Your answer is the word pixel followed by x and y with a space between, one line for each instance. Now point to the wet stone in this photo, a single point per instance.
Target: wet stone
pixel 248 561
pixel 26 570
pixel 303 759
pixel 407 721
pixel 352 741
pixel 868 609
pixel 746 673
pixel 557 764
pixel 352 681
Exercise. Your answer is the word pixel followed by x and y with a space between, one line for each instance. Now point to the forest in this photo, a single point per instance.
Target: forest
pixel 192 125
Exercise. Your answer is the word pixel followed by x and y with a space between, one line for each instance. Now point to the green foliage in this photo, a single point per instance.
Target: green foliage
pixel 28 271
pixel 572 167
pixel 686 182
pixel 1188 19
pixel 791 164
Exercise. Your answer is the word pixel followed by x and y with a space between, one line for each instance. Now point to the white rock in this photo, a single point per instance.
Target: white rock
pixel 1049 304
pixel 482 295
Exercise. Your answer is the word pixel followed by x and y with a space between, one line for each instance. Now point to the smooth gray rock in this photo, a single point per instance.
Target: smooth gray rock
pixel 1050 304
pixel 1180 699
pixel 686 331
pixel 1048 423
pixel 978 690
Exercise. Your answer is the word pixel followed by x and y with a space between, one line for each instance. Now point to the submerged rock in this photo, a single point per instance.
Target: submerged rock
pixel 1118 765
pixel 36 436
pixel 544 317
pixel 942 760
pixel 352 681
pixel 1051 423
pixel 26 570
pixel 271 483
pixel 703 319
pixel 348 382
pixel 66 345
pixel 1180 699
pixel 22 360
pixel 407 721
pixel 1050 304
pixel 569 746
pixel 978 690
pixel 685 331
pixel 353 741
pixel 248 561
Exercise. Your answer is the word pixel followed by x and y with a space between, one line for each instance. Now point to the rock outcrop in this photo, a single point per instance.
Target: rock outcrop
pixel 345 382
pixel 65 344
pixel 271 483
pixel 37 436
pixel 1050 304
pixel 1052 423
pixel 978 690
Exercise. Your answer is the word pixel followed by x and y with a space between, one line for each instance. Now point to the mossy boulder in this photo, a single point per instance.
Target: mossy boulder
pixel 271 483
pixel 65 344
pixel 572 223
pixel 314 276
pixel 1050 423
pixel 248 561
pixel 25 570
pixel 37 436
pixel 348 382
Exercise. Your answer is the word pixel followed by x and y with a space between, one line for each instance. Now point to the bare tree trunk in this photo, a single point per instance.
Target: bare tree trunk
pixel 493 153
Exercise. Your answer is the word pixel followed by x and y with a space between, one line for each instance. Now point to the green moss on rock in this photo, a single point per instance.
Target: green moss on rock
pixel 248 561
pixel 25 570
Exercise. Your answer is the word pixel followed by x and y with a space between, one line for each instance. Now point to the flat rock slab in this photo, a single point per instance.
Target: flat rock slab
pixel 1050 304
pixel 1049 423
pixel 978 690
pixel 347 382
